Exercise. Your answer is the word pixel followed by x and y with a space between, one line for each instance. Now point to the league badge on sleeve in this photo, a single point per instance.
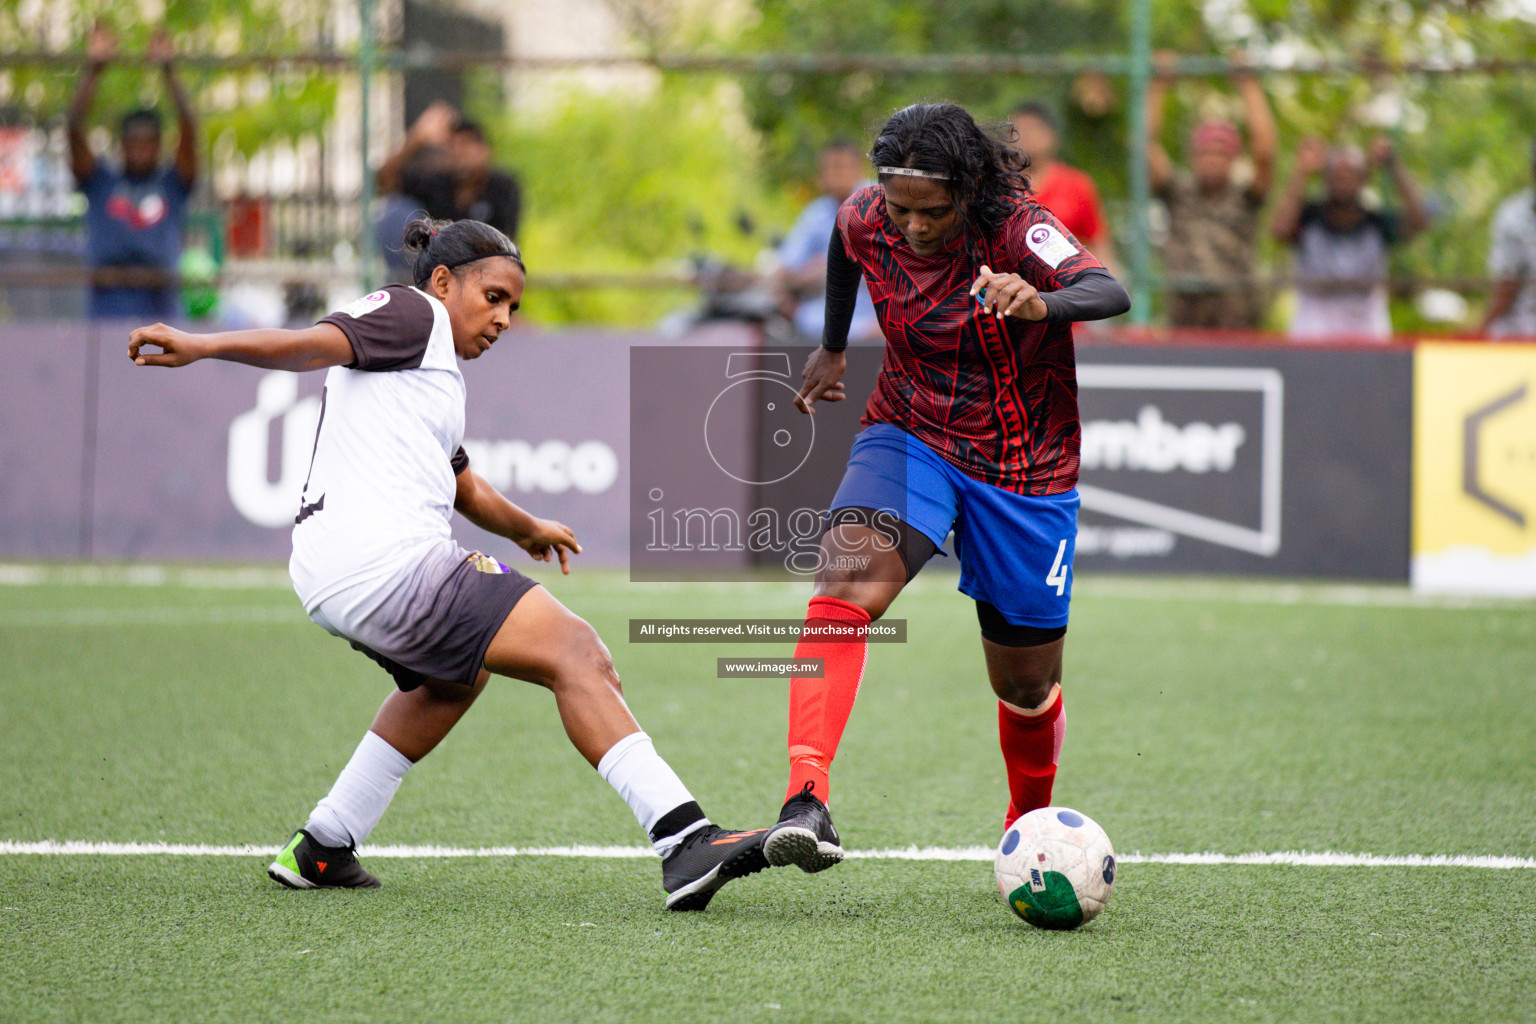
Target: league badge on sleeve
pixel 367 304
pixel 1050 245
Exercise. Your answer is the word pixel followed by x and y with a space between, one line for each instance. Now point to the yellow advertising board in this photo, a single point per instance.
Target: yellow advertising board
pixel 1474 468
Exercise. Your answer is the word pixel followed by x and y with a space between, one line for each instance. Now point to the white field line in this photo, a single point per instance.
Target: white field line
pixel 1243 591
pixel 145 575
pixel 159 615
pixel 1292 858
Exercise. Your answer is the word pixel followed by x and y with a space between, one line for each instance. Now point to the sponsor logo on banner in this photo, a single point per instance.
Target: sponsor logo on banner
pixel 549 467
pixel 1181 451
pixel 1474 473
pixel 256 496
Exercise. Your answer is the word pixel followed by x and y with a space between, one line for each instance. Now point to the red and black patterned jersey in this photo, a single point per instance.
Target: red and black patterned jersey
pixel 997 400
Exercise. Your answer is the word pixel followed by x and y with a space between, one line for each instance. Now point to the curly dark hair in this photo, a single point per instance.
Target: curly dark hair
pixel 983 173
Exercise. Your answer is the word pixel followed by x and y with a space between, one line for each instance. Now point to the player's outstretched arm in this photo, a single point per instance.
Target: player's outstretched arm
pixel 823 373
pixel 544 539
pixel 1093 295
pixel 310 348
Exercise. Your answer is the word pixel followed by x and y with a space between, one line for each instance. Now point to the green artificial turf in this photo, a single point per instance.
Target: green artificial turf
pixel 1203 717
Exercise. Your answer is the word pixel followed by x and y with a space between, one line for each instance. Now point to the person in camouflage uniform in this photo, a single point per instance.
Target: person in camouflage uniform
pixel 1213 218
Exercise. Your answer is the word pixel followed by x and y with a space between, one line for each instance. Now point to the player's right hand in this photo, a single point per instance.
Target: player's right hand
pixel 823 377
pixel 177 348
pixel 547 540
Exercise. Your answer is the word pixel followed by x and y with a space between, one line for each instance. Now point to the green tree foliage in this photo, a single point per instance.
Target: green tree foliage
pixel 1465 137
pixel 249 107
pixel 637 184
pixel 641 182
pixel 796 113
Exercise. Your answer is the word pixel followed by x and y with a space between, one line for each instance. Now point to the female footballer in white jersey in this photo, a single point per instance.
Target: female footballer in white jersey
pixel 374 561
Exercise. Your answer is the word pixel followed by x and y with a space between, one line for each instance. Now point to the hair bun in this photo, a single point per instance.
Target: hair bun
pixel 420 232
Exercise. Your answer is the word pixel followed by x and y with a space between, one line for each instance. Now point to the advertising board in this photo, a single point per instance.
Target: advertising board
pixel 1474 472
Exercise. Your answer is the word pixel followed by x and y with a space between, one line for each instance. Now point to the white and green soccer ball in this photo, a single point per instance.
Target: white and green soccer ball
pixel 1055 867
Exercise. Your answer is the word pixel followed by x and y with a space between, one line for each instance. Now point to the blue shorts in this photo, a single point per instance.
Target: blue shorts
pixel 1015 550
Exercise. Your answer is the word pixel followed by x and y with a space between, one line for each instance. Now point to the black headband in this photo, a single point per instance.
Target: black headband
pixel 511 254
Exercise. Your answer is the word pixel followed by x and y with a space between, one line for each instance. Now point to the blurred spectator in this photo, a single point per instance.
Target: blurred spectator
pixel 1342 247
pixel 1512 266
pixel 1059 187
pixel 396 210
pixel 133 224
pixel 1213 215
pixel 445 167
pixel 841 169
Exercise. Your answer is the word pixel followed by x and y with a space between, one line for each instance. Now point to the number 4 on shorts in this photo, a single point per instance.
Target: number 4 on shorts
pixel 1057 577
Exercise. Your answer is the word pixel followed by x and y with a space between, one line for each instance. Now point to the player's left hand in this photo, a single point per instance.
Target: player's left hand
pixel 547 540
pixel 1008 295
pixel 177 348
pixel 823 377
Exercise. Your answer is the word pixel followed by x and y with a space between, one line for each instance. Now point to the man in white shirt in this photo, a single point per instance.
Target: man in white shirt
pixel 1512 266
pixel 1342 247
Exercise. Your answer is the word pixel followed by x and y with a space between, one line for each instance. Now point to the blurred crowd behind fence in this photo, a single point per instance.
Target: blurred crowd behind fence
pixel 279 233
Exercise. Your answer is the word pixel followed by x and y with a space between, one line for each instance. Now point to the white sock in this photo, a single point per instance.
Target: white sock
pixel 362 792
pixel 662 804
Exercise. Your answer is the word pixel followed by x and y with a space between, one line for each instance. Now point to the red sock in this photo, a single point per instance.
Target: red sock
pixel 1031 748
pixel 819 708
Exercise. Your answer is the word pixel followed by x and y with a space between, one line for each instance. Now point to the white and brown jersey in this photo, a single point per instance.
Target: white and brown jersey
pixel 381 482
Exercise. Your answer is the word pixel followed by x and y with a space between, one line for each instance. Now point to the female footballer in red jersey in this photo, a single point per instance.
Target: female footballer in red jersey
pixel 972 426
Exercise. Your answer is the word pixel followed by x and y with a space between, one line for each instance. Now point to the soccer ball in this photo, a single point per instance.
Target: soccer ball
pixel 1055 868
